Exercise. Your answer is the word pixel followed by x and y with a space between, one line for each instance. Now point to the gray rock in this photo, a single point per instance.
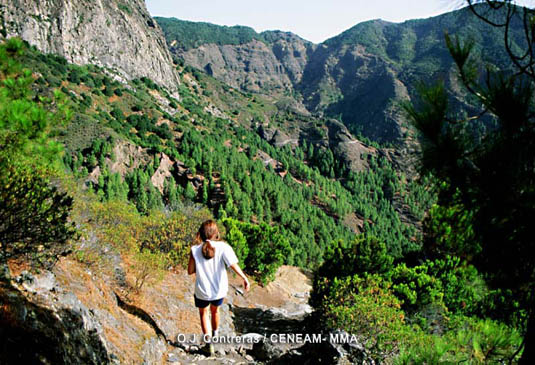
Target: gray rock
pixel 153 350
pixel 172 358
pixel 266 351
pixel 60 329
pixel 33 284
pixel 114 34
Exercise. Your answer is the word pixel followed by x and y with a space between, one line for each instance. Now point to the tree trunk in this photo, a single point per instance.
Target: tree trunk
pixel 528 356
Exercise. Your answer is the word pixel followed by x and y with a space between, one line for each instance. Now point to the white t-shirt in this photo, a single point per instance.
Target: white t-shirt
pixel 211 282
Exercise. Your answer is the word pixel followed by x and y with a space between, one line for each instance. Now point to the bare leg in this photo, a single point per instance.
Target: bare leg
pixel 215 317
pixel 208 348
pixel 205 323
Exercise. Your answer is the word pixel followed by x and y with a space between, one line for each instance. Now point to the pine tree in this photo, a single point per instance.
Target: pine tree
pixel 190 192
pixel 205 192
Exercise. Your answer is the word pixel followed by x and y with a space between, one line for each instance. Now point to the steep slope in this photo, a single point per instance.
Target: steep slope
pixel 268 62
pixel 82 313
pixel 116 34
pixel 358 76
pixel 135 142
pixel 371 66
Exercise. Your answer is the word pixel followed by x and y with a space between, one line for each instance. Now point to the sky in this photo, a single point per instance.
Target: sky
pixel 314 20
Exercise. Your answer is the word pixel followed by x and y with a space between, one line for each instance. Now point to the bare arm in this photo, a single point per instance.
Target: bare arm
pixel 240 273
pixel 191 264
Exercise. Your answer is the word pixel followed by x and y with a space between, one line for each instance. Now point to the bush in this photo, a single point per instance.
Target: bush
pixel 267 248
pixel 148 267
pixel 464 289
pixel 149 83
pixel 474 341
pixel 108 91
pixel 117 113
pixel 125 8
pixel 365 254
pixel 33 213
pixel 236 239
pixel 415 286
pixel 122 227
pixel 446 282
pixel 364 306
pixel 74 76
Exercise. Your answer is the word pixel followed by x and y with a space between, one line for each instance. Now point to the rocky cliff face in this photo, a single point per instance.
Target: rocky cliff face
pixel 251 66
pixel 271 65
pixel 117 34
pixel 361 87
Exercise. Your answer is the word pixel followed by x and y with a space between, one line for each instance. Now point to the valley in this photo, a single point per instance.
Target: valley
pixel 349 210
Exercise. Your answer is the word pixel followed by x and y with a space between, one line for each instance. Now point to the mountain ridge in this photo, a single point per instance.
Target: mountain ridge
pixel 358 76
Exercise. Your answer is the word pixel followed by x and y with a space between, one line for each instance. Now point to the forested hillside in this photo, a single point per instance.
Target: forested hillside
pixel 135 142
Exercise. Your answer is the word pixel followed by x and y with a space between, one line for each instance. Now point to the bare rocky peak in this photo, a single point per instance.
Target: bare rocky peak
pixel 273 65
pixel 292 52
pixel 117 34
pixel 251 66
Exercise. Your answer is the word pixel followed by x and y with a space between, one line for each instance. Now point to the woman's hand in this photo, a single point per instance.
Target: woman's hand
pixel 238 271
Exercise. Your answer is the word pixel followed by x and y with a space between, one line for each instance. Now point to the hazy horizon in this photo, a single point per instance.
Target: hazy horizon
pixel 316 21
pixel 313 20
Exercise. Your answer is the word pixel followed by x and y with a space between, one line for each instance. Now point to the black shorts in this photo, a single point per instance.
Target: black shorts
pixel 199 303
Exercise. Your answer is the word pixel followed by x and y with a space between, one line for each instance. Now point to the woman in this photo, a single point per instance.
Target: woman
pixel 209 259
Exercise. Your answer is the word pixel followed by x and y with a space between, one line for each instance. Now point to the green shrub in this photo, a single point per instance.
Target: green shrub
pixel 474 341
pixel 365 254
pixel 149 83
pixel 74 76
pixel 236 239
pixel 108 91
pixel 266 251
pixel 364 306
pixel 415 286
pixel 463 287
pixel 117 113
pixel 148 268
pixel 125 8
pixel 34 215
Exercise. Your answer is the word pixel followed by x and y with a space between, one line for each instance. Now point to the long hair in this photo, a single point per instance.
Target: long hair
pixel 207 231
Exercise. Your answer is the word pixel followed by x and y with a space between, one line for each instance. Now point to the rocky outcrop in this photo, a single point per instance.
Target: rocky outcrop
pixel 358 85
pixel 344 146
pixel 291 51
pixel 271 62
pixel 79 313
pixel 118 34
pixel 71 315
pixel 162 173
pixel 335 135
pixel 57 331
pixel 127 157
pixel 251 66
